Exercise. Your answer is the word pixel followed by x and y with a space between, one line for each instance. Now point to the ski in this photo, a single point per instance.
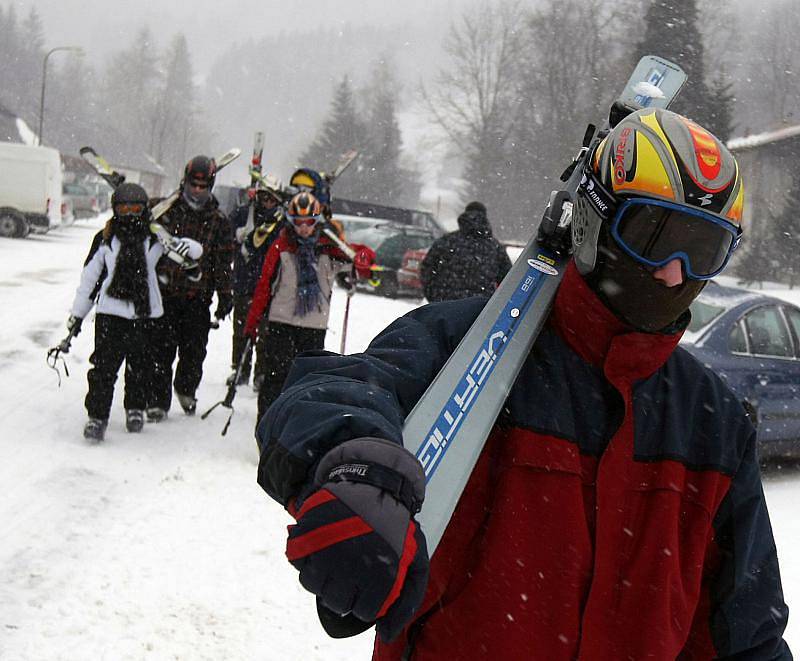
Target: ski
pixel 441 430
pixel 101 166
pixel 344 162
pixel 255 176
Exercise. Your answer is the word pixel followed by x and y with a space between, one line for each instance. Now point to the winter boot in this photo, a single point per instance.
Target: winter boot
pixel 134 420
pixel 95 429
pixel 188 403
pixel 155 414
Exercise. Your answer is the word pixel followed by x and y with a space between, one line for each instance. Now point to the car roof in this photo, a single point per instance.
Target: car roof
pixel 729 297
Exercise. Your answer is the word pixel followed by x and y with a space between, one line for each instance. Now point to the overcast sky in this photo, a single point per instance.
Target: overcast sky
pixel 100 25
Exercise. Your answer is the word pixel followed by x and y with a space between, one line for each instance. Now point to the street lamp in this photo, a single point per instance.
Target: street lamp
pixel 76 49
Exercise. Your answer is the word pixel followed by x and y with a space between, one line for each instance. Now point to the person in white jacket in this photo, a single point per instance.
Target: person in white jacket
pixel 121 278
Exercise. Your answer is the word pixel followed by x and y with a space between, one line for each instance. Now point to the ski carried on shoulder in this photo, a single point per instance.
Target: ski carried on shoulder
pixel 344 162
pixel 255 175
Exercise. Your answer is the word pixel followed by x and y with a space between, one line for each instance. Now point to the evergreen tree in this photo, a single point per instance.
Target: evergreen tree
pixel 672 31
pixel 342 130
pixel 784 235
pixel 390 183
pixel 175 116
pixel 720 120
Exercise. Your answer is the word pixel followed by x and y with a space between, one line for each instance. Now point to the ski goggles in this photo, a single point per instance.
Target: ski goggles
pixel 654 232
pixel 304 221
pixel 129 208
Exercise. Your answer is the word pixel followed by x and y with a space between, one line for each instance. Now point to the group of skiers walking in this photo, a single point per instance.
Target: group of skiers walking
pixel 151 309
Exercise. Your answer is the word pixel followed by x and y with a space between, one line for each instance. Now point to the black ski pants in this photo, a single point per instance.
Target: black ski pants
pixel 183 330
pixel 284 342
pixel 117 339
pixel 241 306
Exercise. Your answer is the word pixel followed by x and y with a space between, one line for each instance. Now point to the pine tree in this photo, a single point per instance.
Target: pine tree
pixel 342 130
pixel 390 183
pixel 784 234
pixel 672 32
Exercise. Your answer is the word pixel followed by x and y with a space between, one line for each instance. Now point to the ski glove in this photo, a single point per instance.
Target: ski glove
pixel 74 325
pixel 356 543
pixel 224 306
pixel 179 247
pixel 363 261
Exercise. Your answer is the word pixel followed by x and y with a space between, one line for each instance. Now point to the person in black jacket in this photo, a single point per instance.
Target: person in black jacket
pixel 467 262
pixel 187 298
pixel 252 243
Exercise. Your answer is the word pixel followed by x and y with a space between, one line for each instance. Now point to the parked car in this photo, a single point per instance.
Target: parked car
pixel 84 202
pixel 390 241
pixel 753 342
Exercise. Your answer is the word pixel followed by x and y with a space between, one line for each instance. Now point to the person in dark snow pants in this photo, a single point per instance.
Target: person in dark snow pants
pixel 120 275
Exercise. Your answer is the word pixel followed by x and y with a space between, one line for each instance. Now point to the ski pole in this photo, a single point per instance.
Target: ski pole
pixel 55 354
pixel 231 394
pixel 350 291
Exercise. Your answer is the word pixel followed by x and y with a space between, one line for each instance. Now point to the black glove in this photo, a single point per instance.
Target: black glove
pixel 356 543
pixel 224 305
pixel 74 325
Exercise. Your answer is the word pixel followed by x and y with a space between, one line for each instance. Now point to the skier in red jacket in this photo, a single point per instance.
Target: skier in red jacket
pixel 616 511
pixel 295 288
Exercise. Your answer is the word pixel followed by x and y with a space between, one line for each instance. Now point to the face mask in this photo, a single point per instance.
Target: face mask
pixel 630 291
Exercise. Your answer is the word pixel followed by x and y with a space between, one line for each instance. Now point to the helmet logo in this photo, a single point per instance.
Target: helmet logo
pixel 709 159
pixel 619 156
pixel 705 199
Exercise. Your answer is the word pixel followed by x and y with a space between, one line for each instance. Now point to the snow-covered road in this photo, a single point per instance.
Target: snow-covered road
pixel 161 545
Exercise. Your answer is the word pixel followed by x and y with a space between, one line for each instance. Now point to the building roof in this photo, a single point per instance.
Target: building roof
pixel 759 139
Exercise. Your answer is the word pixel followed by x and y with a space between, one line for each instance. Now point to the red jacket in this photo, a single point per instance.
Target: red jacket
pixel 269 280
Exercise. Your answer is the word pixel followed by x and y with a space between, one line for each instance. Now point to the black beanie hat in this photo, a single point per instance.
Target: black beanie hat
pixel 475 206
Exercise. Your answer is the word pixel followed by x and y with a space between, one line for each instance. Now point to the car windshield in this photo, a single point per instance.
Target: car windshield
pixel 703 314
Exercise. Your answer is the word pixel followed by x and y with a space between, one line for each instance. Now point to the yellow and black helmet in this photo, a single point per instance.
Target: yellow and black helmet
pixel 656 167
pixel 658 153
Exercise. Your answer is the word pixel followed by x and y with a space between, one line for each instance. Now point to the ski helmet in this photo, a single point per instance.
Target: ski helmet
pixel 131 199
pixel 129 203
pixel 304 209
pixel 306 179
pixel 658 188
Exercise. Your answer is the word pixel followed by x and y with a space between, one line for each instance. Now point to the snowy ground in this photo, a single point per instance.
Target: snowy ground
pixel 161 545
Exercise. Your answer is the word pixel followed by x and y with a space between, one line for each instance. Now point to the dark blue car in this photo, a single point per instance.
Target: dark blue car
pixel 753 342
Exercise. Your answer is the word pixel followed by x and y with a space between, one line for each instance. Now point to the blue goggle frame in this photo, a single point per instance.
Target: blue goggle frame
pixel 623 209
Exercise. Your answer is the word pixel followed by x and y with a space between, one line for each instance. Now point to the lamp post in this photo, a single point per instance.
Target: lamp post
pixel 76 49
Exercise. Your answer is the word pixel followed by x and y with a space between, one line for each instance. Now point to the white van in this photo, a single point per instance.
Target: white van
pixel 30 189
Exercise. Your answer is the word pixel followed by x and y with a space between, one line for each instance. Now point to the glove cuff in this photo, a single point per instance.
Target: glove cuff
pixel 379 463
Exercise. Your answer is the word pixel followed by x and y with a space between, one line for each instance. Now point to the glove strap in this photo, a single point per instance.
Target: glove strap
pixel 378 476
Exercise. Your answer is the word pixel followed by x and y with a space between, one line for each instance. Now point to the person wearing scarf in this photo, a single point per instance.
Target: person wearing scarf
pixel 294 291
pixel 120 277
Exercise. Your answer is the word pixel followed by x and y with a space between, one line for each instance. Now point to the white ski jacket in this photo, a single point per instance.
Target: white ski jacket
pixel 102 265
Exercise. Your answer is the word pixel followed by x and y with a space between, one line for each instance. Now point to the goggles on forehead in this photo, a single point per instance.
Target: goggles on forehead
pixel 129 208
pixel 654 232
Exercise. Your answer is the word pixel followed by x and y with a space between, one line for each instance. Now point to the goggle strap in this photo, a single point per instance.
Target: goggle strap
pixel 602 201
